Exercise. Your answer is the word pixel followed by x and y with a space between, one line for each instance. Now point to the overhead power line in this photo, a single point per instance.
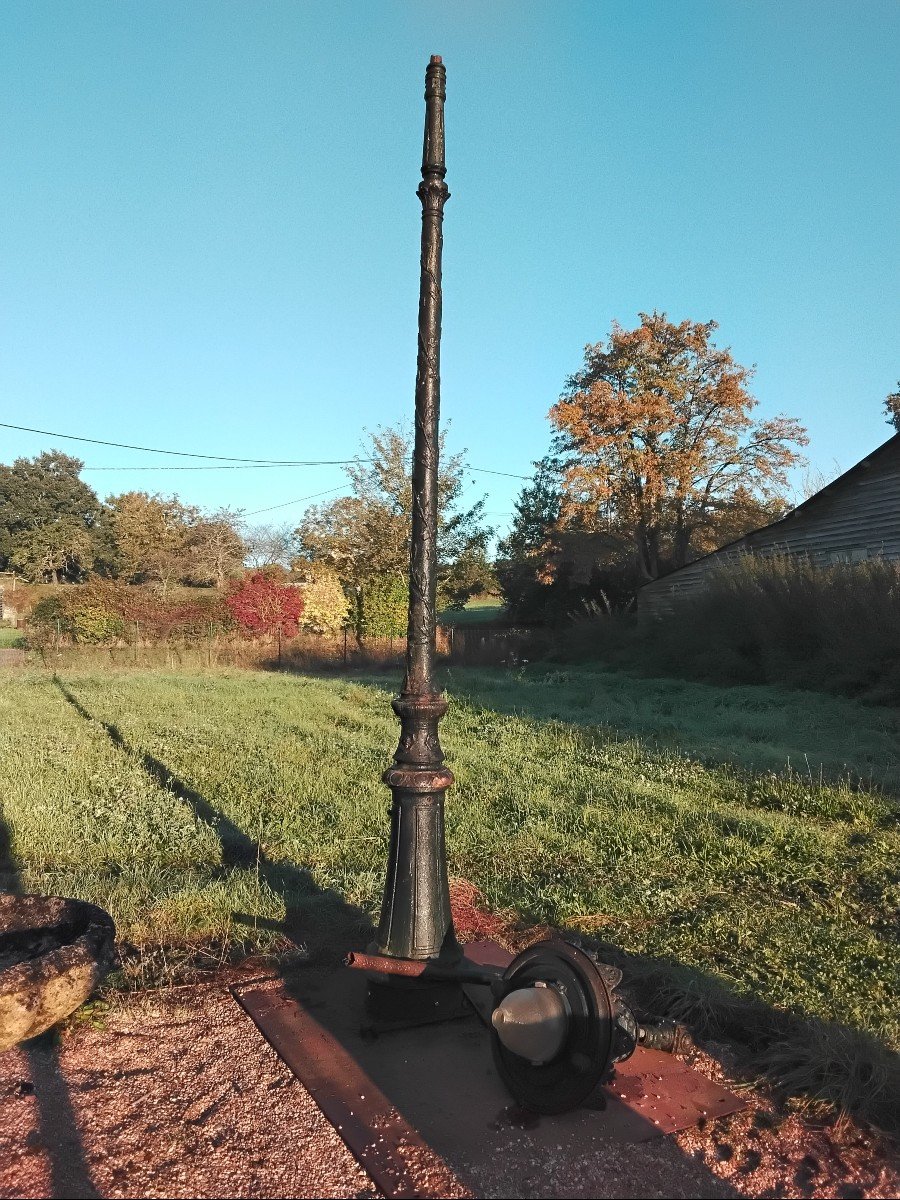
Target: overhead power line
pixel 269 462
pixel 218 467
pixel 505 474
pixel 287 503
pixel 219 458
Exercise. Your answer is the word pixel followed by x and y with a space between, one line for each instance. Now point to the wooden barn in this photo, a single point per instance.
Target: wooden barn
pixel 855 517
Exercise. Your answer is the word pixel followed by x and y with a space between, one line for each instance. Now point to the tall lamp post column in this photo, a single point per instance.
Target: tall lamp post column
pixel 416 922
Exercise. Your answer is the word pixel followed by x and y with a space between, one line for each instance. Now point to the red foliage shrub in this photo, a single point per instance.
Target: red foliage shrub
pixel 159 618
pixel 260 604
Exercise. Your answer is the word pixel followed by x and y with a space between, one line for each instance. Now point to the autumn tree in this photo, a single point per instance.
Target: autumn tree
pixel 892 407
pixel 365 536
pixel 325 604
pixel 151 534
pixel 657 449
pixel 50 518
pixel 213 548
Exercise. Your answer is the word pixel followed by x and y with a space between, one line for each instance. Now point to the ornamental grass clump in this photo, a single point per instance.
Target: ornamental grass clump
pixel 786 620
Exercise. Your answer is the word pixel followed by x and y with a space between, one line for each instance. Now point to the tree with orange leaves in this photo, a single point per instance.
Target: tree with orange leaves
pixel 657 449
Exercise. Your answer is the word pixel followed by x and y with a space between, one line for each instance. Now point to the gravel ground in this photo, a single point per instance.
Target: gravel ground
pixel 177 1094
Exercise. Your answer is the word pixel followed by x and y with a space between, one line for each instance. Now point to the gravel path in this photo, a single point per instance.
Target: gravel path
pixel 179 1095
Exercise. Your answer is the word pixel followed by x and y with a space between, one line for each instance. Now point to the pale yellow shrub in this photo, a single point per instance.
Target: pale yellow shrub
pixel 325 607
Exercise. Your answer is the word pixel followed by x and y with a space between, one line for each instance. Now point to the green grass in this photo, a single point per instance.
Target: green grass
pixel 742 841
pixel 10 638
pixel 480 610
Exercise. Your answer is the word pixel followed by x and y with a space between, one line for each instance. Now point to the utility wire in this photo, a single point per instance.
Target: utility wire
pixel 268 462
pixel 254 466
pixel 221 458
pixel 300 501
pixel 250 466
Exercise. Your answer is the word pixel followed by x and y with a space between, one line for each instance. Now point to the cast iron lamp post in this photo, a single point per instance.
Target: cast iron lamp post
pixel 416 922
pixel 557 1025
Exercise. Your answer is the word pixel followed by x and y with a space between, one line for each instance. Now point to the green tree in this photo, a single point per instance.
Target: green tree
pixel 385 602
pixel 49 518
pixel 657 446
pixel 523 556
pixel 365 536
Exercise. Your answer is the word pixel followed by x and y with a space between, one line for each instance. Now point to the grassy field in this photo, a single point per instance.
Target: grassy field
pixel 741 845
pixel 10 638
pixel 480 610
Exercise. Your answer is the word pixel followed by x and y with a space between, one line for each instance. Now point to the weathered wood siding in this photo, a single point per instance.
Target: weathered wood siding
pixel 852 519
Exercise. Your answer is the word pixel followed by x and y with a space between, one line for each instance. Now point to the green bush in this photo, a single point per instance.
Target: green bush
pixel 81 613
pixel 93 624
pixel 384 605
pixel 103 612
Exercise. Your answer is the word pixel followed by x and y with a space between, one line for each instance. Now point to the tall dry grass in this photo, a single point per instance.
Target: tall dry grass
pixel 784 620
pixel 778 620
pixel 305 652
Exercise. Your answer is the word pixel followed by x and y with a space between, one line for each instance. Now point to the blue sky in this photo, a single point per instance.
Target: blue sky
pixel 209 228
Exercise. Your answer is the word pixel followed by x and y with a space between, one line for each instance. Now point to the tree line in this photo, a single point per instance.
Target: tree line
pixel 655 458
pixel 54 528
pixel 349 557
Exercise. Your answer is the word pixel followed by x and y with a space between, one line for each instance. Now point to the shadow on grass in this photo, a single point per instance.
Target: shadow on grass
pixel 801 1055
pixel 823 739
pixel 316 918
pixel 57 1132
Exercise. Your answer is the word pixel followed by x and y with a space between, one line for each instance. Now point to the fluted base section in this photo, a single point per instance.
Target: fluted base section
pixel 415 914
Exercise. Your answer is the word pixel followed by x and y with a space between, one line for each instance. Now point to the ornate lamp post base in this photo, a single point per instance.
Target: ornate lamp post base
pixel 416 921
pixel 415 916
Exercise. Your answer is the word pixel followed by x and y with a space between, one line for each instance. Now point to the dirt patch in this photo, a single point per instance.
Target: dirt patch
pixel 768 1150
pixel 12 658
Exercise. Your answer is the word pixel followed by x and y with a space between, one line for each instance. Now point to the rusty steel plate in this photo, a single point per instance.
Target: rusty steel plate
pixel 383 1143
pixel 424 1111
